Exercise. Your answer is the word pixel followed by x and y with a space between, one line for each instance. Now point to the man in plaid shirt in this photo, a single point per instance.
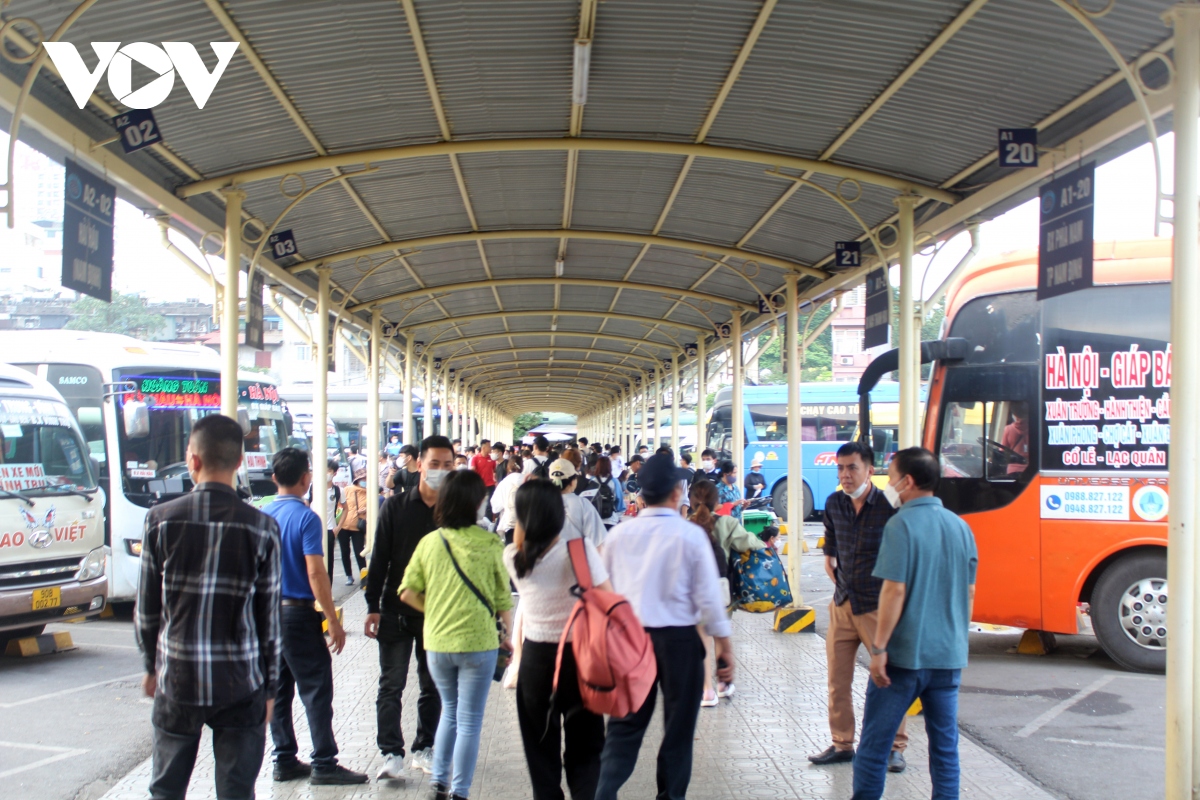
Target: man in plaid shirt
pixel 208 620
pixel 854 520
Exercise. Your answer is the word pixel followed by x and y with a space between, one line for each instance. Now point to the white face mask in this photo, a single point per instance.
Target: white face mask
pixel 436 477
pixel 861 490
pixel 461 467
pixel 892 495
pixel 707 464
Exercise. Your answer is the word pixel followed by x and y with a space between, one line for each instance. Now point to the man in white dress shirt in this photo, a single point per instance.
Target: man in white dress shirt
pixel 664 566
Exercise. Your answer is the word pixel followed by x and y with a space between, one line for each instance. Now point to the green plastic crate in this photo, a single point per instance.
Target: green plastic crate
pixel 755 521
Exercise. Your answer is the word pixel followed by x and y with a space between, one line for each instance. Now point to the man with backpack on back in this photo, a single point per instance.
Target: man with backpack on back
pixel 664 566
pixel 540 462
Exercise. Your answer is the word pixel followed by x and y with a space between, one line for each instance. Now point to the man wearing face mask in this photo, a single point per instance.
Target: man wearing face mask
pixel 927 563
pixel 398 627
pixel 854 522
pixel 708 466
pixel 407 474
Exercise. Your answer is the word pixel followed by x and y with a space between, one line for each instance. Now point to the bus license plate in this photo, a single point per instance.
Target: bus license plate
pixel 47 598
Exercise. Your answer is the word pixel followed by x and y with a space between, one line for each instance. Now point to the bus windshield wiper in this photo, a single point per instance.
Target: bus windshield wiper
pixel 68 490
pixel 23 498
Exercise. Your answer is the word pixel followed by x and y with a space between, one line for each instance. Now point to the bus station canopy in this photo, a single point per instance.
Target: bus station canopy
pixel 562 193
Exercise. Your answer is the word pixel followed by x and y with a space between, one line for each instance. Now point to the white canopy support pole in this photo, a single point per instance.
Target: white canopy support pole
pixel 645 408
pixel 658 404
pixel 910 378
pixel 1183 740
pixel 795 465
pixel 701 399
pixel 675 404
pixel 458 409
pixel 427 401
pixel 374 435
pixel 230 317
pixel 407 434
pixel 320 503
pixel 738 426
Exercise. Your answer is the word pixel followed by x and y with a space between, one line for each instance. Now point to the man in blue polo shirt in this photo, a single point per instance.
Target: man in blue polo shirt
pixel 306 664
pixel 927 561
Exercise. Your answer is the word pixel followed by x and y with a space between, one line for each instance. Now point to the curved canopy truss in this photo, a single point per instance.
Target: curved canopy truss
pixel 435 162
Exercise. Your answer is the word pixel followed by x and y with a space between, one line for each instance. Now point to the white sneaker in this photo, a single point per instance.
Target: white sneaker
pixel 725 690
pixel 422 760
pixel 708 700
pixel 392 769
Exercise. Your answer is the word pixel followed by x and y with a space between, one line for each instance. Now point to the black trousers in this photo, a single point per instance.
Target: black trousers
pixel 239 733
pixel 307 667
pixel 543 720
pixel 355 540
pixel 680 656
pixel 398 636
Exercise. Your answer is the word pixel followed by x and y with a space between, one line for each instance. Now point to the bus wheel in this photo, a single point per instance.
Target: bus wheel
pixel 779 500
pixel 1129 612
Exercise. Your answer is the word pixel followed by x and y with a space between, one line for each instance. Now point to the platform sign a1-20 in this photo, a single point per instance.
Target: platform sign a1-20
pixel 137 129
pixel 254 312
pixel 879 296
pixel 1065 236
pixel 87 251
pixel 1018 147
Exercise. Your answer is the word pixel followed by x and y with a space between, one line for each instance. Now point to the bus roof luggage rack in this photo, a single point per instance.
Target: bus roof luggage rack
pixel 952 349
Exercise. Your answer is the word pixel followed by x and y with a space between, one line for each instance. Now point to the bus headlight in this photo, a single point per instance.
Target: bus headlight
pixel 93 565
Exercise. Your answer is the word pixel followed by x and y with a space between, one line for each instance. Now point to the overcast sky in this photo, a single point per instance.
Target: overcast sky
pixel 1124 210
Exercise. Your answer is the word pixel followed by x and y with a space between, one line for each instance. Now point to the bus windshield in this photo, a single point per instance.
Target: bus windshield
pixel 41 452
pixel 268 422
pixel 153 455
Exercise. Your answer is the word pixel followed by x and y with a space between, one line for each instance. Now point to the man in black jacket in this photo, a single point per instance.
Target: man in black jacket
pixel 397 626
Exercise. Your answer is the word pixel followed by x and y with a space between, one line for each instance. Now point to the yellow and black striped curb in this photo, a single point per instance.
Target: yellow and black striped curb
pixel 40 645
pixel 325 622
pixel 794 620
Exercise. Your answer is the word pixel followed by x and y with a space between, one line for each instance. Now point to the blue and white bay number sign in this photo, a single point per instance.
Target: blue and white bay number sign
pixel 1066 233
pixel 137 129
pixel 847 254
pixel 1018 147
pixel 87 250
pixel 282 244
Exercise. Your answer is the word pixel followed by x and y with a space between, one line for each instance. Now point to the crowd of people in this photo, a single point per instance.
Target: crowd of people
pixel 473 566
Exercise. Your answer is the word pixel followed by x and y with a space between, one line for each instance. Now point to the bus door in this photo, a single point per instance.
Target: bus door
pixel 987 447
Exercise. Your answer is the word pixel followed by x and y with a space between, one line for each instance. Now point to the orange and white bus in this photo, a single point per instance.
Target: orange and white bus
pixel 1072 535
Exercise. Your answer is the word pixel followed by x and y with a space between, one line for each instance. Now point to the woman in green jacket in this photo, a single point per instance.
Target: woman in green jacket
pixel 457 577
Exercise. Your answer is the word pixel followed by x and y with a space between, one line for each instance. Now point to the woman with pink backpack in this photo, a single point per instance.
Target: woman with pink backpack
pixel 539 564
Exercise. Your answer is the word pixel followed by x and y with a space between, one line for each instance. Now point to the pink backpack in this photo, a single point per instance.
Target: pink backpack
pixel 613 652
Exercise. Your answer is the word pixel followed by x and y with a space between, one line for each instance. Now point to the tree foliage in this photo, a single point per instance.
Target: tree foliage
pixel 817 359
pixel 127 313
pixel 525 423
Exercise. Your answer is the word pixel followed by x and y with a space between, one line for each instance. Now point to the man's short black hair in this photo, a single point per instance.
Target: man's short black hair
pixel 484 441
pixel 217 439
pixel 353 451
pixel 920 465
pixel 289 465
pixel 860 449
pixel 410 451
pixel 541 443
pixel 664 450
pixel 436 443
pixel 499 446
pixel 686 458
pixel 727 467
pixel 583 440
pixel 636 460
pixel 707 453
pixel 331 465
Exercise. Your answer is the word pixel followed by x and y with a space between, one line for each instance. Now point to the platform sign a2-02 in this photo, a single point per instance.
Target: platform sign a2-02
pixel 137 129
pixel 1065 241
pixel 87 251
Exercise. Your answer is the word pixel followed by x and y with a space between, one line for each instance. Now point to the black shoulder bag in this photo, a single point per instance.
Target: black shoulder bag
pixel 503 655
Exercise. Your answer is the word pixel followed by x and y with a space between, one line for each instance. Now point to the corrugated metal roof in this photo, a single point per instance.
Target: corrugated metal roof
pixel 504 71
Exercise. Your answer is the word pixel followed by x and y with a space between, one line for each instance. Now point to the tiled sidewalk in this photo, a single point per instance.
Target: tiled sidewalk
pixel 753 746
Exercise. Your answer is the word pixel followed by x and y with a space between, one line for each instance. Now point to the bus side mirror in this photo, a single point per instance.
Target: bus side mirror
pixel 90 416
pixel 137 419
pixel 244 420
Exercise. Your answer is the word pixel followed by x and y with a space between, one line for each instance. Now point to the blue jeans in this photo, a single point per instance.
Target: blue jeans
pixel 938 690
pixel 463 680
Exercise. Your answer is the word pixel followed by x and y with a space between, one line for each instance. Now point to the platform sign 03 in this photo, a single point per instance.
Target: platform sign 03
pixel 282 244
pixel 1018 147
pixel 1065 240
pixel 87 252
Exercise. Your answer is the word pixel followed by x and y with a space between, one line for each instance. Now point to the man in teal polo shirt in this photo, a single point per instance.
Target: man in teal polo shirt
pixel 927 562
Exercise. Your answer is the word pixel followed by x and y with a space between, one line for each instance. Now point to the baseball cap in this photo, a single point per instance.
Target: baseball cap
pixel 659 475
pixel 562 471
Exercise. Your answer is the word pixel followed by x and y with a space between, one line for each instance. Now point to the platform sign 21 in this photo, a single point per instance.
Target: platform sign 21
pixel 1018 147
pixel 847 254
